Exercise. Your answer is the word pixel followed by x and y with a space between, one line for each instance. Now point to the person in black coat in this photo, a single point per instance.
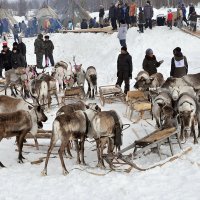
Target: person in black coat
pixel 22 48
pixel 113 16
pixel 5 59
pixel 17 60
pixel 179 65
pixel 150 64
pixel 84 24
pixel 101 15
pixel 124 69
pixel 119 14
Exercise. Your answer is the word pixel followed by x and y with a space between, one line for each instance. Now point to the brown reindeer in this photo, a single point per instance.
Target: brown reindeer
pixel 19 124
pixel 74 126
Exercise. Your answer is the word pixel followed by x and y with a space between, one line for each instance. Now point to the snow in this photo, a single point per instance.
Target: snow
pixel 176 180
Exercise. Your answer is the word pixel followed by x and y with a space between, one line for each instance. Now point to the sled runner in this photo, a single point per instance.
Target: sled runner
pixel 110 93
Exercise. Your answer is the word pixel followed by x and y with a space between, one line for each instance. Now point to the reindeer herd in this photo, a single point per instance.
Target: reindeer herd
pixel 175 101
pixel 74 122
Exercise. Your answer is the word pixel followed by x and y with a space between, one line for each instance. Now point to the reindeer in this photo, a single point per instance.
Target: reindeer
pixel 19 123
pixel 52 86
pixel 10 104
pixel 73 126
pixel 187 110
pixel 91 77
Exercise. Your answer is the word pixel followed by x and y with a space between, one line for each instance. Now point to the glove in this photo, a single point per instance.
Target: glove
pixel 161 61
pixel 130 76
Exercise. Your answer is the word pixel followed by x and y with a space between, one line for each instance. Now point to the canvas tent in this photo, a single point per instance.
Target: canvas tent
pixel 47 18
pixel 7 20
pixel 70 10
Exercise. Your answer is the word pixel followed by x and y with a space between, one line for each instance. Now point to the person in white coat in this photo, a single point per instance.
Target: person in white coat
pixel 122 33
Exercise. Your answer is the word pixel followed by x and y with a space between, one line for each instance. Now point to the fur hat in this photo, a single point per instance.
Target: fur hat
pixel 149 51
pixel 124 48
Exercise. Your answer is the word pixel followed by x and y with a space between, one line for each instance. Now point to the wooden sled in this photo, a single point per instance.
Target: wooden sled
pixel 152 141
pixel 73 93
pixel 110 93
pixel 137 101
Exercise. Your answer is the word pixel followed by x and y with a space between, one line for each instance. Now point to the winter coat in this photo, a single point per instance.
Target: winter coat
pixel 119 14
pixel 150 64
pixel 179 13
pixel 126 16
pixel 179 66
pixel 124 63
pixel 49 47
pixel 132 10
pixel 170 16
pixel 15 30
pixel 5 60
pixel 183 11
pixel 113 12
pixel 39 45
pixel 148 11
pixel 141 18
pixel 84 25
pixel 23 26
pixel 17 60
pixel 191 10
pixel 193 17
pixel 122 32
pixel 101 12
pixel 22 48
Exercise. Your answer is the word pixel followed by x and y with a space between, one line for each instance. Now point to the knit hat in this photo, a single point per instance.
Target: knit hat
pixel 124 48
pixel 149 51
pixel 15 44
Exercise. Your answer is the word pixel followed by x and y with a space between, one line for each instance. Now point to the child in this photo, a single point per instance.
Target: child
pixel 122 33
pixel 169 18
pixel 141 20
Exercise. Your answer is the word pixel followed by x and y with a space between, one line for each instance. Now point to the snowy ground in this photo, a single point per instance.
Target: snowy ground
pixel 176 180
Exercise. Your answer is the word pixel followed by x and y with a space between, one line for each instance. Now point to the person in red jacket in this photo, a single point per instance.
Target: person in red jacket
pixel 169 19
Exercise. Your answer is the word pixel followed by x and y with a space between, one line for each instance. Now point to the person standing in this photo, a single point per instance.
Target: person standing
pixel 124 69
pixel 169 18
pixel 23 27
pixel 39 50
pixel 5 59
pixel 184 13
pixel 101 15
pixel 17 60
pixel 122 33
pixel 133 14
pixel 119 13
pixel 148 13
pixel 22 48
pixel 179 65
pixel 141 20
pixel 1 28
pixel 191 9
pixel 16 32
pixel 193 21
pixel 150 64
pixel 113 16
pixel 179 17
pixel 49 47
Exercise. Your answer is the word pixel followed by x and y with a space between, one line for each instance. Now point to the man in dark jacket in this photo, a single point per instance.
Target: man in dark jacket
pixel 179 65
pixel 124 69
pixel 39 50
pixel 113 16
pixel 150 64
pixel 5 60
pixel 101 15
pixel 16 32
pixel 17 60
pixel 141 20
pixel 148 13
pixel 84 24
pixel 49 47
pixel 22 48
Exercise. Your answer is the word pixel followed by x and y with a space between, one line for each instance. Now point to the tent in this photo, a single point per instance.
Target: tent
pixel 48 19
pixel 7 20
pixel 70 10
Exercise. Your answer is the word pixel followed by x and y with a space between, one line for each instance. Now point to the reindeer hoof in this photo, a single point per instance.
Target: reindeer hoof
pixel 84 164
pixel 44 173
pixel 78 162
pixel 20 161
pixel 65 172
pixel 195 142
pixel 101 166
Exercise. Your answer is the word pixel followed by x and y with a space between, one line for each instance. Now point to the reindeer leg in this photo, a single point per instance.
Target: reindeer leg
pixel 181 136
pixel 60 152
pixel 68 150
pixel 36 143
pixel 102 143
pixel 21 140
pixel 52 144
pixel 82 150
pixel 16 90
pixel 93 93
pixel 77 151
pixel 194 134
pixel 98 152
